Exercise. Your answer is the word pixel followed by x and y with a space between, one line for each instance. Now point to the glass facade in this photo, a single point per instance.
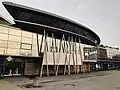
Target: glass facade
pixel 101 53
pixel 14 41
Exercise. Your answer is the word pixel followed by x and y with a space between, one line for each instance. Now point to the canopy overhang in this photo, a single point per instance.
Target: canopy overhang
pixel 37 21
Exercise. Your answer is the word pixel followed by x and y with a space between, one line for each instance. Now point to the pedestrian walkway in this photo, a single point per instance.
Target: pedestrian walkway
pixel 102 80
pixel 5 85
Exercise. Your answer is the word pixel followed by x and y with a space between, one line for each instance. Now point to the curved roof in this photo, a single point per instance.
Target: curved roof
pixel 35 20
pixel 5 19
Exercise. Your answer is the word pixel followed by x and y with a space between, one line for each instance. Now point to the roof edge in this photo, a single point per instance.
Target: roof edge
pixel 6 19
pixel 52 14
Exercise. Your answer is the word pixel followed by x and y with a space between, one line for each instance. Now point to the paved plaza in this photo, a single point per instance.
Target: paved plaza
pixel 102 80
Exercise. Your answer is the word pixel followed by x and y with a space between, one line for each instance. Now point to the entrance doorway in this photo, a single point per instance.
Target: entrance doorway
pixel 15 67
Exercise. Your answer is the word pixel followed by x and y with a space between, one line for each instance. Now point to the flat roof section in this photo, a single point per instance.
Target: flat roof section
pixel 37 21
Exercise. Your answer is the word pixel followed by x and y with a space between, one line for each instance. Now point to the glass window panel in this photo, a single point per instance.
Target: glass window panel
pixel 3 43
pixel 13 45
pixel 25 52
pixel 4 29
pixel 15 32
pixel 26 46
pixel 14 38
pixel 2 51
pixel 3 36
pixel 34 53
pixel 26 34
pixel 34 47
pixel 26 40
pixel 12 51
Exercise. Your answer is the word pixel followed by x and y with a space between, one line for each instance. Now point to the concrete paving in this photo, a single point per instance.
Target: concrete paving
pixel 103 80
pixel 5 85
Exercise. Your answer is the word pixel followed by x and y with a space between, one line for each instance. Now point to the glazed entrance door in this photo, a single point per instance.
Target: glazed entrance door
pixel 18 67
pixel 15 67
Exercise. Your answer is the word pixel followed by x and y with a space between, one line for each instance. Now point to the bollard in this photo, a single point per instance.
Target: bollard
pixel 36 81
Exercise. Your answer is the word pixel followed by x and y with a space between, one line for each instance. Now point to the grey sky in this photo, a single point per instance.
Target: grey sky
pixel 102 16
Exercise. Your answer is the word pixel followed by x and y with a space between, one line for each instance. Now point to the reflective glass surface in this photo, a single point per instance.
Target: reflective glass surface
pixel 25 52
pixel 4 29
pixel 26 40
pixel 11 51
pixel 15 32
pixel 13 45
pixel 26 34
pixel 3 36
pixel 14 38
pixel 3 43
pixel 2 51
pixel 14 41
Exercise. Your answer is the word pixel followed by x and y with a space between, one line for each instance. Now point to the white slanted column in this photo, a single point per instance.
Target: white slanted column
pixel 66 55
pixel 45 61
pixel 45 57
pixel 59 55
pixel 76 58
pixel 53 51
pixel 80 61
pixel 73 55
pixel 69 61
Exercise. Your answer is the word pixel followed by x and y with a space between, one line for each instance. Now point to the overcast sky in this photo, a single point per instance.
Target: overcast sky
pixel 102 16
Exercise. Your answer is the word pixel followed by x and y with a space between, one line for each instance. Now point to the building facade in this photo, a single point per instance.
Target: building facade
pixel 19 47
pixel 19 54
pixel 14 41
pixel 107 57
